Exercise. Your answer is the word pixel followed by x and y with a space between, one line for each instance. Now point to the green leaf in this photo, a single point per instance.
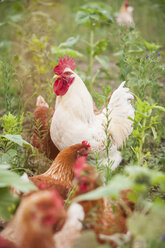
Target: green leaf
pixel 151 46
pixel 150 225
pixel 145 175
pixel 9 178
pixel 5 158
pixel 118 183
pixel 16 18
pixel 2 23
pixel 65 51
pixel 104 61
pixel 17 139
pixel 100 46
pixel 8 203
pixel 159 107
pixel 4 166
pixel 154 132
pixel 93 14
pixel 70 42
pixel 82 18
pixel 139 51
pixel 5 44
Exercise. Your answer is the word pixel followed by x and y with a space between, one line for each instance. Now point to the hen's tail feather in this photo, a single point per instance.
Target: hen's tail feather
pixel 41 102
pixel 120 109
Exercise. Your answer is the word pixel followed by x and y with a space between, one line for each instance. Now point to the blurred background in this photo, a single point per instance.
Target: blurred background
pixel 32 30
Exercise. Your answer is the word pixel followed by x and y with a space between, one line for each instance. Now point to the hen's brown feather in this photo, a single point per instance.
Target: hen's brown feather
pixel 41 137
pixel 32 226
pixel 47 182
pixel 60 174
pixel 103 215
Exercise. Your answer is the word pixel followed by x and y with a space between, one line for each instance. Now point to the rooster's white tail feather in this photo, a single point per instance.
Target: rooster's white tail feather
pixel 120 110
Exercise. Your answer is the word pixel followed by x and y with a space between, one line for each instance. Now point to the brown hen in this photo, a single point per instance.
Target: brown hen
pixel 32 226
pixel 41 136
pixel 99 213
pixel 60 174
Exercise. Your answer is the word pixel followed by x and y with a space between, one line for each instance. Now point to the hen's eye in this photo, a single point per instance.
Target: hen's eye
pixel 83 150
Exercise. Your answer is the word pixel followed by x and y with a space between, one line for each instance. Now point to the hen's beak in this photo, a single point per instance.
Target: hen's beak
pixel 56 76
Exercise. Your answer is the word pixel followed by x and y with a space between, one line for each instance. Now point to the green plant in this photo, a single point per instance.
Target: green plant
pixel 141 181
pixel 65 49
pixel 8 201
pixel 11 124
pixel 92 16
pixel 9 87
pixel 145 120
pixel 140 65
pixel 104 169
pixel 14 149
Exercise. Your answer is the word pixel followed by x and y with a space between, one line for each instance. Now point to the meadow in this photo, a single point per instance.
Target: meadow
pixel 34 34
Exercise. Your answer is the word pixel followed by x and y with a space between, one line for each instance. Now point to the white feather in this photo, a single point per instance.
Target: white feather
pixel 25 177
pixel 120 110
pixel 72 227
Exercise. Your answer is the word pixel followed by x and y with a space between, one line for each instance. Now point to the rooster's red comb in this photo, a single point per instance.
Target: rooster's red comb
pixel 86 143
pixel 64 63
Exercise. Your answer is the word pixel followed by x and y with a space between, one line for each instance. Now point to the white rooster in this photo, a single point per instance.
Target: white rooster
pixel 74 119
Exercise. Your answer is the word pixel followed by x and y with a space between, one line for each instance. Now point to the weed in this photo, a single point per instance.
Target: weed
pixel 140 65
pixel 92 16
pixel 145 120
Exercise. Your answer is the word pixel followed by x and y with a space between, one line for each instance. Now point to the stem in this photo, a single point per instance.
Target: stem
pixel 90 68
pixel 141 144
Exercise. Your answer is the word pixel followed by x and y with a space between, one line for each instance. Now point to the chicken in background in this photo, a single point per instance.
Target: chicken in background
pixel 60 174
pixel 74 119
pixel 41 136
pixel 99 215
pixel 34 221
pixel 72 227
pixel 125 16
pixel 6 243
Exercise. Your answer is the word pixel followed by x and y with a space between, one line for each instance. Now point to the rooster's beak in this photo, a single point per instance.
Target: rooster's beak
pixel 56 77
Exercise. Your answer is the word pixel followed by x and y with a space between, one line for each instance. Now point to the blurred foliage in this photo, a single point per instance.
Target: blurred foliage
pixel 147 221
pixel 92 16
pixel 140 65
pixel 14 150
pixel 145 120
pixel 9 201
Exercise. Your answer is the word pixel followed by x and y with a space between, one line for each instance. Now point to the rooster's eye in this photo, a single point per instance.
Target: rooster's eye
pixel 67 73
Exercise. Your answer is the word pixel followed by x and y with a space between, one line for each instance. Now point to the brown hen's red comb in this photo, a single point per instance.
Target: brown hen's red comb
pixel 64 63
pixel 41 185
pixel 84 142
pixel 79 165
